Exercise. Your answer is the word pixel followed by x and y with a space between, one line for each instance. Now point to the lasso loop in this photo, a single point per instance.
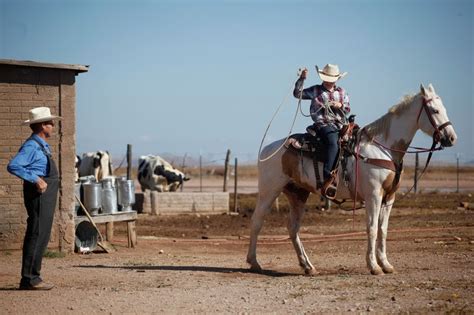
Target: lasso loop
pixel 270 123
pixel 326 107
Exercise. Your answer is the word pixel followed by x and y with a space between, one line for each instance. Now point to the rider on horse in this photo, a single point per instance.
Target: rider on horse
pixel 329 106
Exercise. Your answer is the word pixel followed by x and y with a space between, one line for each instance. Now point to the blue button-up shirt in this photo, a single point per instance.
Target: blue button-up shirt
pixel 30 162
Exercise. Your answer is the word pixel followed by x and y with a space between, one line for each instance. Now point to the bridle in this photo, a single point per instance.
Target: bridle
pixel 436 134
pixel 437 129
pixel 398 166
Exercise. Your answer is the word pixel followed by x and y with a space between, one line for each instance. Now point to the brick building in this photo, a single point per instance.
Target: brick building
pixel 24 85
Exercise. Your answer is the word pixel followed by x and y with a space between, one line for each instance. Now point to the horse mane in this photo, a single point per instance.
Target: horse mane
pixel 382 125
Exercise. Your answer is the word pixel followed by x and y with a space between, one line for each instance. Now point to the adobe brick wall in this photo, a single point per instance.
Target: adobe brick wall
pixel 165 203
pixel 22 88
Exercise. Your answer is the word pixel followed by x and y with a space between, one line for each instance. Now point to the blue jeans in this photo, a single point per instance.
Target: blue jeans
pixel 329 134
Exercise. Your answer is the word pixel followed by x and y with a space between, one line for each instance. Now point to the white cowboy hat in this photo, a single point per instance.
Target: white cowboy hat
pixel 330 73
pixel 39 114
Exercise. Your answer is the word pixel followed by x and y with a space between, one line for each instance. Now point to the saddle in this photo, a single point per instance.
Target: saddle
pixel 311 145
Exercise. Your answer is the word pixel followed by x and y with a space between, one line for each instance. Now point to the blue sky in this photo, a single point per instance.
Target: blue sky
pixel 204 76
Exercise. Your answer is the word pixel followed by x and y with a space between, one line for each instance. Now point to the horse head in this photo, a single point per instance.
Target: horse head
pixel 433 118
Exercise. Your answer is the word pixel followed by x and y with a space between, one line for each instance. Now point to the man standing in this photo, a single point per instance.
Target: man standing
pixel 329 105
pixel 34 165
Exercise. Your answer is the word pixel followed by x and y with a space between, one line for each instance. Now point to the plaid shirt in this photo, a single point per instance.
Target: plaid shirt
pixel 319 97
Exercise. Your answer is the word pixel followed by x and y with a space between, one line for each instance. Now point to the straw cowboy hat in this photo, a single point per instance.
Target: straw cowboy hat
pixel 40 114
pixel 330 73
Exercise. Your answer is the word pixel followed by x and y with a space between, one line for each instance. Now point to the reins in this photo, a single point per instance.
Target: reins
pixel 388 164
pixel 436 140
pixel 417 149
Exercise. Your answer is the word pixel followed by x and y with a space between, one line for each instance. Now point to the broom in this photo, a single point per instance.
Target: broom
pixel 105 245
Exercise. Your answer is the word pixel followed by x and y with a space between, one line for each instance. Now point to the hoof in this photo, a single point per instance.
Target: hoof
pixel 256 268
pixel 388 269
pixel 310 272
pixel 377 271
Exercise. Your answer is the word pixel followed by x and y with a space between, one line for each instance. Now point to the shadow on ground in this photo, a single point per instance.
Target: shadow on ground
pixel 269 273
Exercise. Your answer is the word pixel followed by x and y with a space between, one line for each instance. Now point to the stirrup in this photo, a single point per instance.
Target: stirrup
pixel 329 188
pixel 329 191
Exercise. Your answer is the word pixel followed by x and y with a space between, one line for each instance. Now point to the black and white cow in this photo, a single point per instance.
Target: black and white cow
pixel 155 173
pixel 97 163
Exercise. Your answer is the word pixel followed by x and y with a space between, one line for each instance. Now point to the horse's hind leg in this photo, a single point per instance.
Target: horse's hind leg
pixel 382 238
pixel 264 203
pixel 372 207
pixel 297 198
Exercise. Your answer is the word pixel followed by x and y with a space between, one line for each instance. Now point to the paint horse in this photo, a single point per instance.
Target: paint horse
pixel 387 139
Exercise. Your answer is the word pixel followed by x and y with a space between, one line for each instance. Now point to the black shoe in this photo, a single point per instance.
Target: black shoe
pixel 40 286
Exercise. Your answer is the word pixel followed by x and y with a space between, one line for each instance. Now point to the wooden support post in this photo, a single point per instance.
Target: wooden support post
pixel 154 202
pixel 131 234
pixel 226 170
pixel 147 201
pixel 128 217
pixel 235 186
pixel 109 231
pixel 129 161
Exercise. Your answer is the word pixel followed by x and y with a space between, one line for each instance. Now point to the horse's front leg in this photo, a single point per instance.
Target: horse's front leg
pixel 264 202
pixel 297 199
pixel 382 237
pixel 372 205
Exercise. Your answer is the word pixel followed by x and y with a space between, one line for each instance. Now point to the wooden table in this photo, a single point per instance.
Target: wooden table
pixel 129 216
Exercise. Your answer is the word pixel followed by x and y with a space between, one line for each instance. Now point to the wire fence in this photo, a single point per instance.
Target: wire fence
pixel 448 171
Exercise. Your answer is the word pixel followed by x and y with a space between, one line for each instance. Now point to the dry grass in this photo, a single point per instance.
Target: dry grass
pixel 464 170
pixel 433 200
pixel 251 171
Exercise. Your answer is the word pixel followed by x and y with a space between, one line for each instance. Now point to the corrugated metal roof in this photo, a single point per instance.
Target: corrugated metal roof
pixel 28 63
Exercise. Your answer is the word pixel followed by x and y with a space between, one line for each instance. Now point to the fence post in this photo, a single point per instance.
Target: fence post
pixel 415 184
pixel 200 172
pixel 129 161
pixel 327 204
pixel 457 173
pixel 226 169
pixel 235 186
pixel 182 170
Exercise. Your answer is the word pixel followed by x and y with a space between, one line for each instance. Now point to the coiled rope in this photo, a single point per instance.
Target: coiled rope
pixel 298 108
pixel 326 106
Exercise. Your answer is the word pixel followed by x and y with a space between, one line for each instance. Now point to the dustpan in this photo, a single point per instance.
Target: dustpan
pixel 105 245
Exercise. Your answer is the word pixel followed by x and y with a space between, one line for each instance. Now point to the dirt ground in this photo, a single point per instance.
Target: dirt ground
pixel 196 264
